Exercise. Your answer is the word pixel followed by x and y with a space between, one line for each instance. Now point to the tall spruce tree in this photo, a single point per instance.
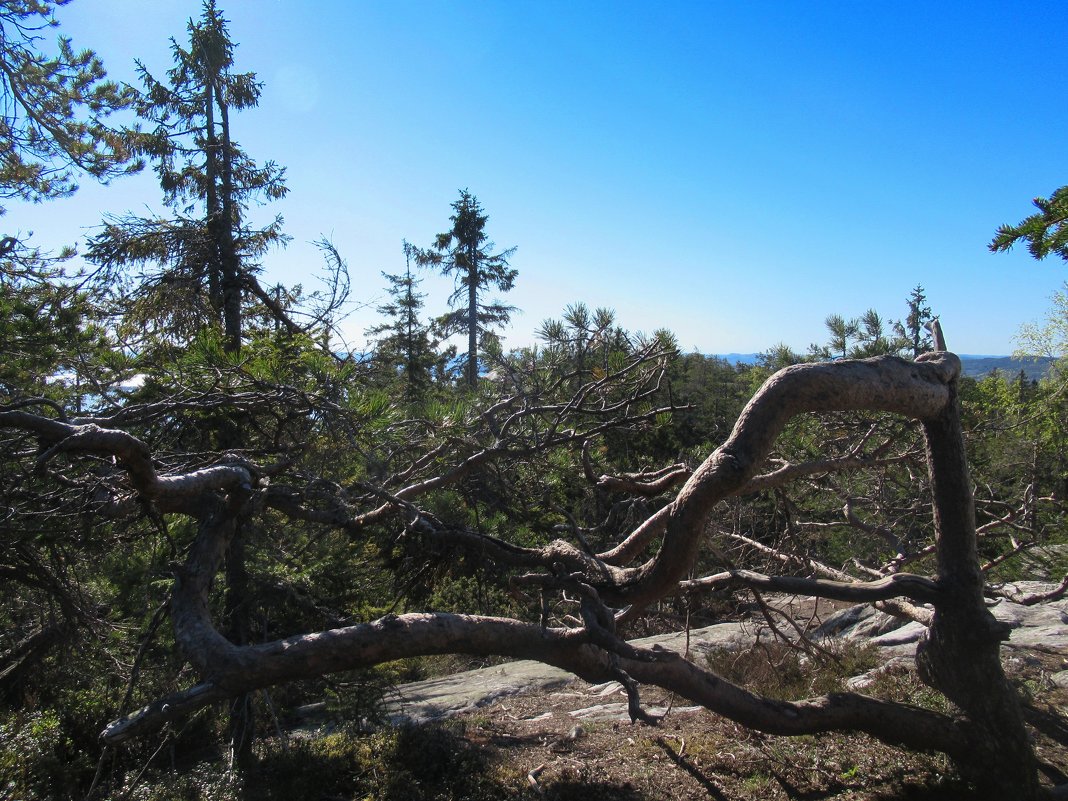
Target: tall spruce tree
pixel 207 254
pixel 464 251
pixel 204 255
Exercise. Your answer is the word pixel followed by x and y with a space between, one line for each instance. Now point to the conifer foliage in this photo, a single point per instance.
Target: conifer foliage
pixel 53 109
pixel 405 349
pixel 1045 231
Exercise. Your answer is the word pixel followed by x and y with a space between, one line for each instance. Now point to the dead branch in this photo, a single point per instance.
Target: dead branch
pixel 1032 598
pixel 173 492
pixel 903 609
pixel 900 585
pixel 959 657
pixel 805 562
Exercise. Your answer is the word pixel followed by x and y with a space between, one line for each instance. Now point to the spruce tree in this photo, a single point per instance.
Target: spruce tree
pixel 206 250
pixel 204 254
pixel 464 251
pixel 405 348
pixel 912 333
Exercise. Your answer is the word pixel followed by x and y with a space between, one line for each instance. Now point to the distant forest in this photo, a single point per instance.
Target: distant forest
pixel 1033 368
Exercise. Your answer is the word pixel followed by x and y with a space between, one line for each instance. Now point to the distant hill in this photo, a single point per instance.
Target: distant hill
pixel 975 366
pixel 979 366
pixel 738 358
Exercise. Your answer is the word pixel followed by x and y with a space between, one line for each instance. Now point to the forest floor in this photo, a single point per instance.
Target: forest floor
pixel 569 740
pixel 574 742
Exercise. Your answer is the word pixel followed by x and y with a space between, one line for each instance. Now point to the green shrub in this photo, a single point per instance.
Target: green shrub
pixel 428 763
pixel 36 757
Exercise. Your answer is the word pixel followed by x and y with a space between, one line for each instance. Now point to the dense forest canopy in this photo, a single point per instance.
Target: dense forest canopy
pixel 213 513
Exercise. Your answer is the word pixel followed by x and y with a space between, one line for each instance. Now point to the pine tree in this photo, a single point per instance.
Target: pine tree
pixel 53 110
pixel 465 252
pixel 842 332
pixel 582 341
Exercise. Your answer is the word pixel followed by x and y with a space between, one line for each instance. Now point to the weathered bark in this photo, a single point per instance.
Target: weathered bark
pixel 595 656
pixel 889 384
pixel 652 527
pixel 232 669
pixel 396 637
pixel 180 492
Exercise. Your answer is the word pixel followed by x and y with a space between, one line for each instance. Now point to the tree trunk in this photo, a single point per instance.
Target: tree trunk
pixel 231 265
pixel 961 654
pixel 242 723
pixel 472 321
pixel 211 172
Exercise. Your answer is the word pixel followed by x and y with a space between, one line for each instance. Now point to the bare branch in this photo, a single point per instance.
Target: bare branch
pixel 1032 598
pixel 900 585
pixel 913 389
pixel 647 484
pixel 172 492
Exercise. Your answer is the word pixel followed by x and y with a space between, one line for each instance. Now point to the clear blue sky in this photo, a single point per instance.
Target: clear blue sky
pixel 731 171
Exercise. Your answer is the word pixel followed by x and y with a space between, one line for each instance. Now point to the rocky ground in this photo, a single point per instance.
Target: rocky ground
pixel 1034 628
pixel 535 731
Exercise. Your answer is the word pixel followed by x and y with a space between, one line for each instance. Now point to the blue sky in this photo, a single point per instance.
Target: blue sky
pixel 731 171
